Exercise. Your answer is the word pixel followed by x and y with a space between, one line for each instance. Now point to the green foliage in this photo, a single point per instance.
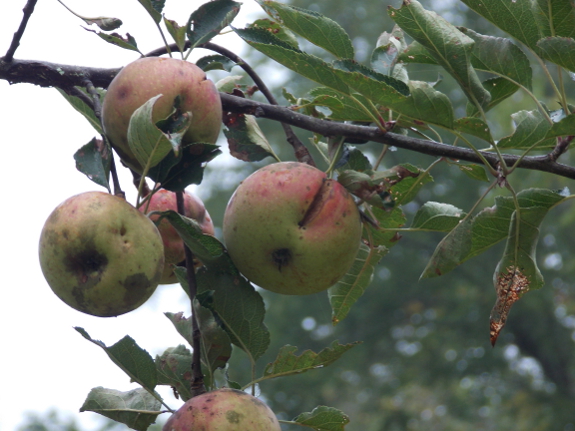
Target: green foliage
pixel 392 193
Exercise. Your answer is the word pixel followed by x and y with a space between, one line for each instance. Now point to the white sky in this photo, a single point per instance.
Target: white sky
pixel 44 362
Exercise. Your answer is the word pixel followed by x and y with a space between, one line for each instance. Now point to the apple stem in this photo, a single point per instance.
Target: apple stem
pixel 197 386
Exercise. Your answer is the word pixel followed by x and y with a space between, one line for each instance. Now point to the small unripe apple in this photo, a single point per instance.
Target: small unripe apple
pixel 147 77
pixel 223 410
pixel 100 255
pixel 174 253
pixel 290 229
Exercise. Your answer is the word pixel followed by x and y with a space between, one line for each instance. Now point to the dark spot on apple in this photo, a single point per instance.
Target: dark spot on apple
pixel 88 265
pixel 133 284
pixel 124 91
pixel 281 257
pixel 123 230
pixel 233 417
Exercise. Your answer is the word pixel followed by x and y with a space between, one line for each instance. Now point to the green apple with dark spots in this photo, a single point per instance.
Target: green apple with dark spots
pixel 145 78
pixel 100 255
pixel 223 410
pixel 291 230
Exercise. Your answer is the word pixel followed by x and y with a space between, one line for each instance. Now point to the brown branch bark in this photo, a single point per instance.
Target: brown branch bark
pixel 28 10
pixel 47 74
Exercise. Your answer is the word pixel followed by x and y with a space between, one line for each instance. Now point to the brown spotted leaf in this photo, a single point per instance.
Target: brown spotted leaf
pixel 517 271
pixel 245 138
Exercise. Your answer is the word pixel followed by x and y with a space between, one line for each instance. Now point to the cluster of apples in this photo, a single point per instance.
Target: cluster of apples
pixel 288 228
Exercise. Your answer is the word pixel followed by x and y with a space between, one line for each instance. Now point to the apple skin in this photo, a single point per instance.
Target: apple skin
pixel 291 230
pixel 174 252
pixel 147 77
pixel 223 410
pixel 100 255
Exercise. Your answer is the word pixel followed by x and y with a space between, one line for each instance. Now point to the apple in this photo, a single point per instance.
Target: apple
pixel 100 255
pixel 291 230
pixel 223 410
pixel 147 77
pixel 174 253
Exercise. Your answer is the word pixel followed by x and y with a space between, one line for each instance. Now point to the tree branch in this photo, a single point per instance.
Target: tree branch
pixel 28 9
pixel 47 74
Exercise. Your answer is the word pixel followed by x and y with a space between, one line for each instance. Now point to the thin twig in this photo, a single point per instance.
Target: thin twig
pixel 28 9
pixel 197 386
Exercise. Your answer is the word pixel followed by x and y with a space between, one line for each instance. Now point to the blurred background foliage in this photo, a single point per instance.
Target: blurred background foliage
pixel 426 362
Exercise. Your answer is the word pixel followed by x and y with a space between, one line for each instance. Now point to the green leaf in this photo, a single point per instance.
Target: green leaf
pixel 215 62
pixel 438 217
pixel 175 173
pixel 384 235
pixel 418 100
pixel 127 42
pixel 216 347
pixel 555 17
pixel 104 22
pixel 342 107
pixel 235 303
pixel 136 408
pixel 559 50
pixel 323 418
pixel 277 30
pixel 500 56
pixel 475 127
pixel 150 144
pixel 246 140
pixel 476 172
pixel 314 27
pixel 448 46
pixel 352 285
pixel 517 271
pixel 209 19
pixel 416 53
pixel 287 363
pixel 174 369
pixel 300 62
pixel 206 248
pixel 514 17
pixel 94 160
pixel 532 128
pixel 384 58
pixel 177 32
pixel 354 160
pixel 564 127
pixel 499 88
pixel 451 250
pixel 487 228
pixel 154 8
pixel 79 105
pixel 131 358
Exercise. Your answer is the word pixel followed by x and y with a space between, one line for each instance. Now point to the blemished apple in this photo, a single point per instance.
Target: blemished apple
pixel 223 410
pixel 100 255
pixel 147 77
pixel 174 253
pixel 291 230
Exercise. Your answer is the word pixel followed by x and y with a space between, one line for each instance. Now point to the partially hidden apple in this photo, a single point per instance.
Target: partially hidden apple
pixel 100 255
pixel 163 200
pixel 147 77
pixel 223 410
pixel 291 230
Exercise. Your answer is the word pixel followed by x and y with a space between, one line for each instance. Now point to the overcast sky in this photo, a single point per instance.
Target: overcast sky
pixel 44 362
